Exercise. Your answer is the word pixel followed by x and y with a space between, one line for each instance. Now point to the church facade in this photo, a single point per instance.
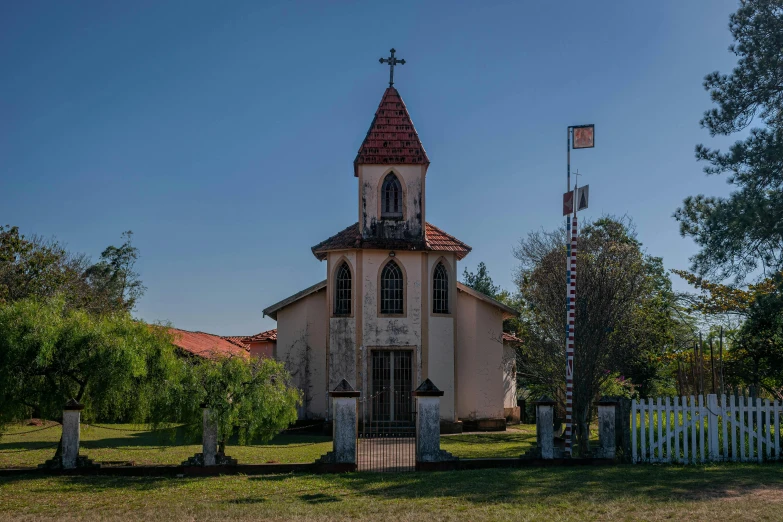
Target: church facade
pixel 390 312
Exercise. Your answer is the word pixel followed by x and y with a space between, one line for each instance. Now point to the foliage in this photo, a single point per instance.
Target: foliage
pixel 624 313
pixel 757 354
pixel 33 267
pixel 742 233
pixel 252 396
pixel 119 368
pixel 116 285
pixel 480 281
pixel 717 298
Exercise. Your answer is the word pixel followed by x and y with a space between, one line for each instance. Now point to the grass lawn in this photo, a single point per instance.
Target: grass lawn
pixel 725 492
pixel 28 446
pixel 19 449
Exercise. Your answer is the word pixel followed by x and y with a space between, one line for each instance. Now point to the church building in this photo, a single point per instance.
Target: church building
pixel 391 312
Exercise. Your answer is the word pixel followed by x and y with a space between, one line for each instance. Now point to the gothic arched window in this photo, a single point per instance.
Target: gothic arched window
pixel 391 197
pixel 391 289
pixel 440 290
pixel 342 290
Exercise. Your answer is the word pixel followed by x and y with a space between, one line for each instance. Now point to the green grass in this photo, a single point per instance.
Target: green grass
pixel 513 442
pixel 28 446
pixel 19 449
pixel 725 492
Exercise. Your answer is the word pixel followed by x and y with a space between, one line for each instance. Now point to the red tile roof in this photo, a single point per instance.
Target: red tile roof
pixel 436 240
pixel 239 340
pixel 392 139
pixel 511 339
pixel 269 335
pixel 206 345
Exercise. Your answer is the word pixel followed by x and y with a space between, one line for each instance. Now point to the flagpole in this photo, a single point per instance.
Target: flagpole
pixel 569 326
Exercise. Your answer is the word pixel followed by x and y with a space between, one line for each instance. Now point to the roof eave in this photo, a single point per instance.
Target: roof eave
pixel 508 312
pixel 271 311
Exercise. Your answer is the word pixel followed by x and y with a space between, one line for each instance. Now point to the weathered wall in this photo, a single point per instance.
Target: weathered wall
pixel 509 377
pixel 412 180
pixel 480 390
pixel 301 345
pixel 441 337
pixel 386 331
pixel 342 330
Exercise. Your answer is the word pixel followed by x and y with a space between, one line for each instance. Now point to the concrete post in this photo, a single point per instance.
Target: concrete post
pixel 209 437
pixel 344 423
pixel 607 440
pixel 545 434
pixel 71 433
pixel 428 422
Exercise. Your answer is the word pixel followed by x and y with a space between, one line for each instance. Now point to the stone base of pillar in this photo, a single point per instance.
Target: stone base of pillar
pixel 57 463
pixel 221 459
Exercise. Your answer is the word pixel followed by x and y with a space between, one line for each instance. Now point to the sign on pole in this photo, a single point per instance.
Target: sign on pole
pixel 584 136
pixel 568 203
pixel 582 197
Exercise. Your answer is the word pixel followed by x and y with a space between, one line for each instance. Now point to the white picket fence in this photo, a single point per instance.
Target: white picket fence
pixel 680 430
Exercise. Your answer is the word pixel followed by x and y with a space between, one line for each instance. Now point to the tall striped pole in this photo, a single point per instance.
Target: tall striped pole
pixel 570 328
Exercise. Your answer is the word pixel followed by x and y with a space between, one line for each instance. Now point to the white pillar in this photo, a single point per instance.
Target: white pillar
pixel 545 434
pixel 607 441
pixel 71 433
pixel 428 422
pixel 209 437
pixel 344 423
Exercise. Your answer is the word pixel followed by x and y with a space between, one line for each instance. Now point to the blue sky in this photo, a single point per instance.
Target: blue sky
pixel 223 133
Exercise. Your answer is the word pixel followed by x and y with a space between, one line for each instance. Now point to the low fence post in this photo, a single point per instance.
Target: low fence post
pixel 209 436
pixel 71 433
pixel 545 435
pixel 607 441
pixel 344 423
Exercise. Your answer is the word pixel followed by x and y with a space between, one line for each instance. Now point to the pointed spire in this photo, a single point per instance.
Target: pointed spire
pixel 392 138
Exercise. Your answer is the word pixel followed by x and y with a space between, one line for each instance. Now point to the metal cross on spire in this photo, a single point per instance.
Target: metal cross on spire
pixel 392 61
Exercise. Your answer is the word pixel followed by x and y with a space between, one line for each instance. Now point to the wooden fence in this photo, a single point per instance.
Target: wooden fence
pixel 681 430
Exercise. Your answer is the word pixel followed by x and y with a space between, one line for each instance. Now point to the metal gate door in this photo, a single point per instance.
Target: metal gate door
pixel 387 438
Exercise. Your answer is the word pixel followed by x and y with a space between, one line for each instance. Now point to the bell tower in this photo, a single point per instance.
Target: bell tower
pixel 391 166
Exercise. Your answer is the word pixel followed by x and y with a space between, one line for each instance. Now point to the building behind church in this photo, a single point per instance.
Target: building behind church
pixel 390 312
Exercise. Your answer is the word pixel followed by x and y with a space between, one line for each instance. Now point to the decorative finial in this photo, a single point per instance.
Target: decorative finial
pixel 392 61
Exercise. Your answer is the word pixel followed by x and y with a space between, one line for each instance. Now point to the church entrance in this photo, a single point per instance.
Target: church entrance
pixel 392 384
pixel 387 438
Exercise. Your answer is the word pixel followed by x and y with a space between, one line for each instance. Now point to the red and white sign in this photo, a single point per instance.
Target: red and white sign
pixel 568 203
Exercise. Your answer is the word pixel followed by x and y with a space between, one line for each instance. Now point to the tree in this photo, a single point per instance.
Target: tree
pixel 742 233
pixel 33 267
pixel 622 313
pixel 116 286
pixel 119 368
pixel 250 396
pixel 480 281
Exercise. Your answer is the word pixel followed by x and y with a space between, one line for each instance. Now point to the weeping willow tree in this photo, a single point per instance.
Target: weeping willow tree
pixel 119 368
pixel 252 397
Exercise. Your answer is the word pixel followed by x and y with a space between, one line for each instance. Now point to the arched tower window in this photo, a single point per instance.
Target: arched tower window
pixel 391 289
pixel 391 197
pixel 342 290
pixel 440 290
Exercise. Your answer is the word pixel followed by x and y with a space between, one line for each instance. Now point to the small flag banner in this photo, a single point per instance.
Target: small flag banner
pixel 568 203
pixel 582 197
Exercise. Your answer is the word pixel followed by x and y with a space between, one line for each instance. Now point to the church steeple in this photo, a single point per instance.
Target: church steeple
pixel 391 165
pixel 392 138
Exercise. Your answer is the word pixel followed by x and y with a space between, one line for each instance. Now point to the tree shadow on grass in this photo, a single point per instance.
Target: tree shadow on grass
pixel 600 484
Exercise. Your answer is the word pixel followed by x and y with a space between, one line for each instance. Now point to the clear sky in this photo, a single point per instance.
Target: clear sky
pixel 223 133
